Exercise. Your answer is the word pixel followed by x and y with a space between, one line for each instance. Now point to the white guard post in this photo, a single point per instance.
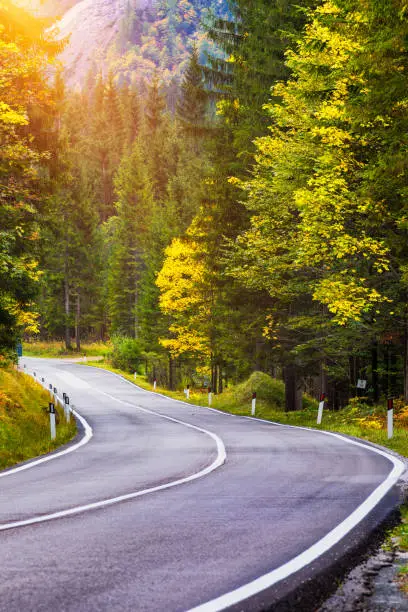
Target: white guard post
pixel 320 411
pixel 135 374
pixel 188 392
pixel 209 396
pixel 154 384
pixel 390 418
pixel 253 409
pixel 66 409
pixel 52 421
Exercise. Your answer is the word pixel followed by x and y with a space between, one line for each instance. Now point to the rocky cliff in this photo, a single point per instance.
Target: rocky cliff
pixel 91 26
pixel 131 38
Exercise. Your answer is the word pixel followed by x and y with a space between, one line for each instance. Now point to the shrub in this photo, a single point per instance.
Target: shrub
pixel 267 389
pixel 126 353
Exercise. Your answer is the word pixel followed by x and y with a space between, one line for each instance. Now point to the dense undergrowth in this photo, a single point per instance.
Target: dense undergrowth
pixel 24 419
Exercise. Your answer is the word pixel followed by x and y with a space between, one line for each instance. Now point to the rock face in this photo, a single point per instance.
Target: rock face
pixel 130 38
pixel 92 26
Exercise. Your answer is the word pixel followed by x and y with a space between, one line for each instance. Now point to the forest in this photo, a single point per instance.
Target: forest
pixel 256 219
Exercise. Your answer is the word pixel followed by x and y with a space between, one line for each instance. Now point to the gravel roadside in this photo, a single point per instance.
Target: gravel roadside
pixel 372 585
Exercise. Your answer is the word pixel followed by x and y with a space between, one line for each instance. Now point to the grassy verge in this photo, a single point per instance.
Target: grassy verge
pixel 57 349
pixel 24 419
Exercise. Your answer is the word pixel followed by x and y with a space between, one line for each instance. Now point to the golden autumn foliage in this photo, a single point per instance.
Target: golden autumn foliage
pixel 26 52
pixel 186 294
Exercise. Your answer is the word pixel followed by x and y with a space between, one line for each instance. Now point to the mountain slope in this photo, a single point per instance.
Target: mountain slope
pixel 131 38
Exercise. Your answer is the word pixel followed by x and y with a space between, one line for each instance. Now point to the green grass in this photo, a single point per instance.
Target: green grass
pixel 57 349
pixel 24 419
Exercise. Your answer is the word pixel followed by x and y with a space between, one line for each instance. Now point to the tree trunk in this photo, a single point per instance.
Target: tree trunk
pixel 171 373
pixel 136 318
pixel 220 385
pixel 406 360
pixel 323 377
pixel 352 377
pixel 374 371
pixel 393 373
pixel 77 322
pixel 258 355
pixel 213 378
pixel 67 311
pixel 291 389
pixel 105 190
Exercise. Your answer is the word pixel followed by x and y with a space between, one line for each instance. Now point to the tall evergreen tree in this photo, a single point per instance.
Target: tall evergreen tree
pixel 192 107
pixel 129 230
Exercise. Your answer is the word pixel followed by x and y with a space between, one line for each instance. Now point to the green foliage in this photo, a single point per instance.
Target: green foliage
pixel 26 53
pixel 192 107
pixel 160 37
pixel 267 390
pixel 126 353
pixel 267 232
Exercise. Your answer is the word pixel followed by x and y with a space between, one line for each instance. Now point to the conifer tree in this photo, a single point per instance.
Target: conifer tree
pixel 155 106
pixel 129 230
pixel 191 109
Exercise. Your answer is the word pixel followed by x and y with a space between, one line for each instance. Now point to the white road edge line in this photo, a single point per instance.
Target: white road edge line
pixel 88 433
pixel 219 461
pixel 321 546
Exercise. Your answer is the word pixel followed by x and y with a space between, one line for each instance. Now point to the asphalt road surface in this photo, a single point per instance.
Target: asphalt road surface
pixel 171 507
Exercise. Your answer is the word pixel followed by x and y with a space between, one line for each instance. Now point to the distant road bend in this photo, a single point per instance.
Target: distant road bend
pixel 197 511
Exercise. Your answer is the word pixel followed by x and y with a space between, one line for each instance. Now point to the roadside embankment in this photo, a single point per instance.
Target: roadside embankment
pixel 24 419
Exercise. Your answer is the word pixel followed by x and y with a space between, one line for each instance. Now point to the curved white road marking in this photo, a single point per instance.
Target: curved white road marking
pixel 311 554
pixel 218 462
pixel 297 563
pixel 321 546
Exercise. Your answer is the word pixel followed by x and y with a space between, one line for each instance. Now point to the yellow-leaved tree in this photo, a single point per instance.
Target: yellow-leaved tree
pixel 26 53
pixel 186 283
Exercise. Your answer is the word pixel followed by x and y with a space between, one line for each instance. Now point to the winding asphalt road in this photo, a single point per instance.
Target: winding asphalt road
pixel 171 507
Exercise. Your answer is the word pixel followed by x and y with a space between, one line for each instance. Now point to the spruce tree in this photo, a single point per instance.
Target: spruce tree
pixel 192 106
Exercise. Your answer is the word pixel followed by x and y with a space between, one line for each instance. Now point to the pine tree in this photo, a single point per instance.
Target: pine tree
pixel 155 106
pixel 191 109
pixel 128 231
